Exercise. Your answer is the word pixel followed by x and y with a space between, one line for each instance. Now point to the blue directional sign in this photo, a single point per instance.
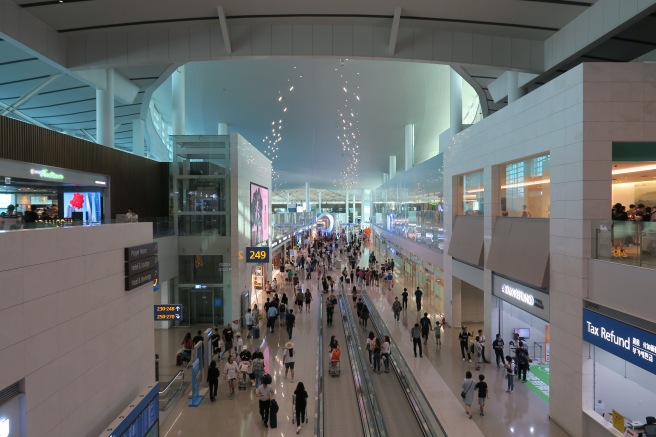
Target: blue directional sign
pixel 168 312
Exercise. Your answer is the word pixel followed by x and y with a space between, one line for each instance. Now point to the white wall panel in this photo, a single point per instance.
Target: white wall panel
pixel 322 38
pixel 502 51
pixel 482 49
pixel 442 45
pixel 179 43
pixel 521 53
pixel 302 41
pixel 463 47
pixel 343 40
pixel 158 45
pixel 381 42
pixel 422 47
pixel 117 53
pixel 281 39
pixel 262 40
pixel 199 43
pixel 137 46
pixel 404 43
pixel 240 37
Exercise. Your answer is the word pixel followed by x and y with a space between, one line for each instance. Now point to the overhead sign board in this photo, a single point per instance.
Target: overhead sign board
pixel 528 299
pixel 632 344
pixel 168 312
pixel 257 254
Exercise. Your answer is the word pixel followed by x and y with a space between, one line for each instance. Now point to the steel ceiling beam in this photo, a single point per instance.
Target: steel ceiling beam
pixel 24 117
pixel 31 94
pixel 395 31
pixel 224 29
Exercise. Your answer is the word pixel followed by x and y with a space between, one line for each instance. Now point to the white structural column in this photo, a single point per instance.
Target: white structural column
pixel 307 196
pixel 354 213
pixel 319 211
pixel 138 128
pixel 392 166
pixel 514 91
pixel 105 111
pixel 346 208
pixel 409 147
pixel 222 129
pixel 385 177
pixel 455 100
pixel 178 103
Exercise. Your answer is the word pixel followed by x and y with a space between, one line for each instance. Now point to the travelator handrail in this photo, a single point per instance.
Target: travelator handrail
pixel 373 423
pixel 318 405
pixel 426 418
pixel 178 377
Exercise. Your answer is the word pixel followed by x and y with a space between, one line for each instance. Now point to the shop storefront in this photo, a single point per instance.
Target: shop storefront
pixel 56 193
pixel 522 313
pixel 12 412
pixel 623 350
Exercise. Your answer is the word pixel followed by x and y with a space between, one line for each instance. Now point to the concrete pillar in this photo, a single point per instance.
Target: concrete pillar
pixel 307 196
pixel 354 213
pixel 288 200
pixel 222 129
pixel 514 91
pixel 105 111
pixel 392 166
pixel 347 207
pixel 385 177
pixel 455 102
pixel 178 101
pixel 138 129
pixel 319 211
pixel 409 146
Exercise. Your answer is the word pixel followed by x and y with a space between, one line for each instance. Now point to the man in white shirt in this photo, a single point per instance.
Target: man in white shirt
pixel 248 319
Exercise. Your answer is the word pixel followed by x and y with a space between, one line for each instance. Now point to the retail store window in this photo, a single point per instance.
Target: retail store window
pixel 525 188
pixel 472 194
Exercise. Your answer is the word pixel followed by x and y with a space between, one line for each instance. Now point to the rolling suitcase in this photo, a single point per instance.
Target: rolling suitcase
pixel 256 332
pixel 273 414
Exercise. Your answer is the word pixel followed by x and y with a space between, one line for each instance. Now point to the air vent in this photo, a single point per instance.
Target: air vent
pixel 620 316
pixel 10 392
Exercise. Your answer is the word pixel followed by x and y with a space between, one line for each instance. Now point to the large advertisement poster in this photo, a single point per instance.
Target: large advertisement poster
pixel 89 204
pixel 259 214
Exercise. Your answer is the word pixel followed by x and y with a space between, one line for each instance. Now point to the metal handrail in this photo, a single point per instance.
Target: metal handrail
pixel 373 423
pixel 539 357
pixel 178 377
pixel 318 412
pixel 428 421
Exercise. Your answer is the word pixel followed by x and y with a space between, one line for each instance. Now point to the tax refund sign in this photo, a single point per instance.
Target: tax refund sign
pixel 632 344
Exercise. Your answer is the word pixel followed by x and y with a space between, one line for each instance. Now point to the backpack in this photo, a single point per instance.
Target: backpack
pixel 521 357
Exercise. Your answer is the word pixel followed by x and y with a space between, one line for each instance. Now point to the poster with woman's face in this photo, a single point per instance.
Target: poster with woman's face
pixel 259 214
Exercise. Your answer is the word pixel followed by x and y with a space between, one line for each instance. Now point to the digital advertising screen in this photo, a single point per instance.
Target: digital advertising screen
pixel 89 204
pixel 259 214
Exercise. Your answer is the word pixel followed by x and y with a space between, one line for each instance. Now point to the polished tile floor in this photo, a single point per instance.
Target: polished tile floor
pixel 440 373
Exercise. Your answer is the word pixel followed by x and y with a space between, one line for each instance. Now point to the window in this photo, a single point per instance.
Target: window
pixel 525 188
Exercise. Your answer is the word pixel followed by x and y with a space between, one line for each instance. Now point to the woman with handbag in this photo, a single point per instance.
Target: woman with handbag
pixel 468 393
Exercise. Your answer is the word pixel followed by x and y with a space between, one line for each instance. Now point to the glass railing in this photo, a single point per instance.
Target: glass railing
pixel 625 242
pixel 287 223
pixel 422 227
pixel 162 226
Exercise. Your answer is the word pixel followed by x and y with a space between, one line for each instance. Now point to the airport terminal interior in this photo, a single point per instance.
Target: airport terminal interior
pixel 329 219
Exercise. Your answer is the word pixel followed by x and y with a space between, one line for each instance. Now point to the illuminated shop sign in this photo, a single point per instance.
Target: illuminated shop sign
pixel 46 174
pixel 528 299
pixel 4 427
pixel 632 344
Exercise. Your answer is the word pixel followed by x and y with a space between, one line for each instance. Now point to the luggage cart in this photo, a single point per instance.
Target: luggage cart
pixel 334 368
pixel 244 368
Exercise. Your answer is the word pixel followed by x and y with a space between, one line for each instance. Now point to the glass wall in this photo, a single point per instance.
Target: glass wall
pixel 472 194
pixel 525 187
pixel 411 205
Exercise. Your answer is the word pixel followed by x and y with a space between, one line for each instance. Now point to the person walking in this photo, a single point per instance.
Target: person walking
pixel 396 308
pixel 463 337
pixel 385 350
pixel 438 334
pixel 483 392
pixel 426 327
pixel 288 358
pixel 377 354
pixel 331 301
pixel 258 366
pixel 404 298
pixel 300 405
pixel 231 373
pixel 522 359
pixel 478 352
pixel 415 334
pixel 272 315
pixel 418 294
pixel 265 393
pixel 248 319
pixel 509 374
pixel 370 347
pixel 308 299
pixel 482 341
pixel 365 315
pixel 213 380
pixel 497 345
pixel 289 323
pixel 468 392
pixel 299 301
